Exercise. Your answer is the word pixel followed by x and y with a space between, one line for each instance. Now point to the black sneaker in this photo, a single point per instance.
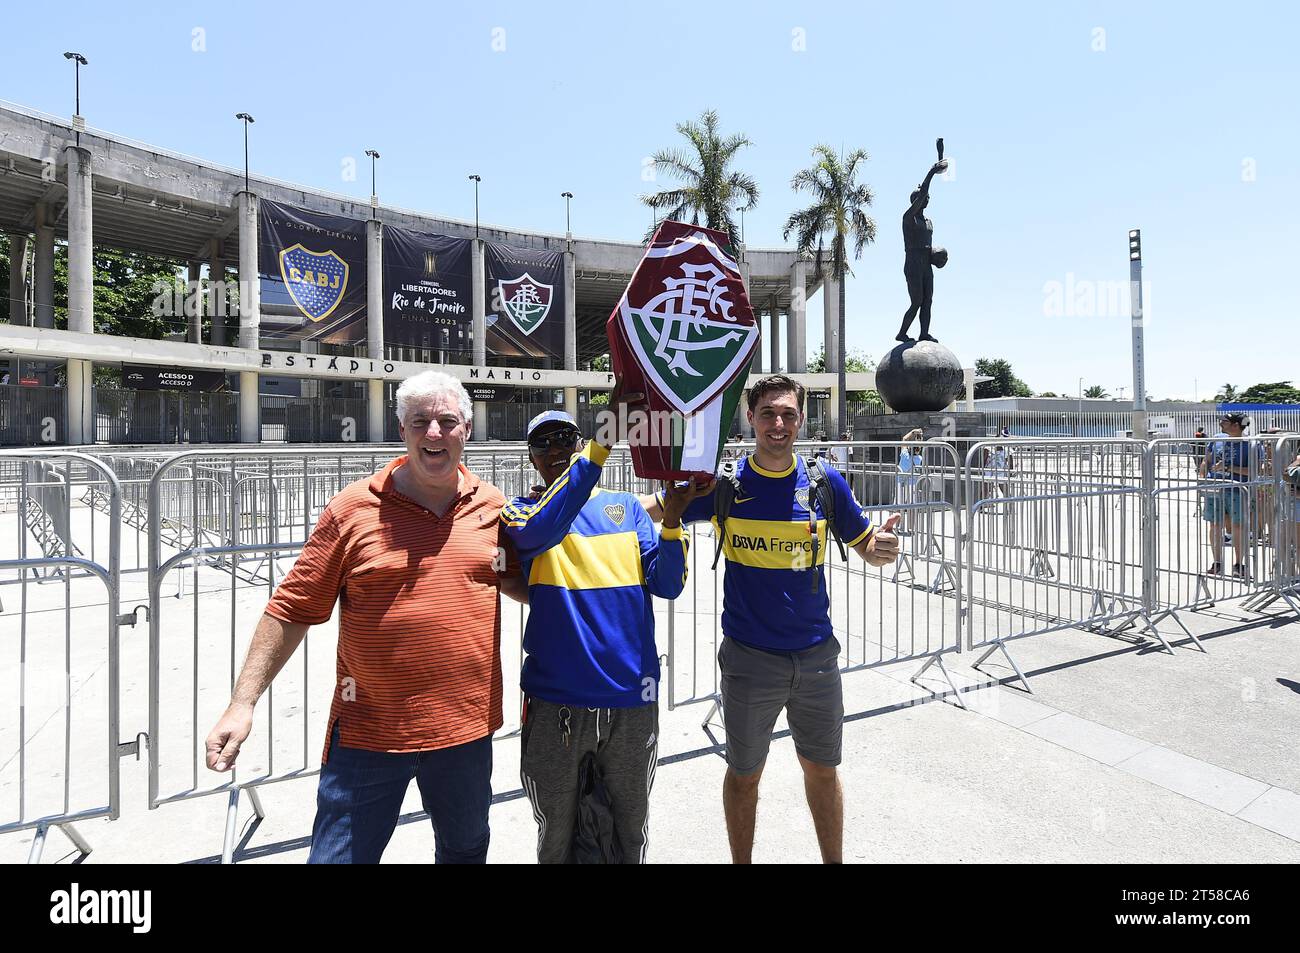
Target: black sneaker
pixel 1239 571
pixel 1214 570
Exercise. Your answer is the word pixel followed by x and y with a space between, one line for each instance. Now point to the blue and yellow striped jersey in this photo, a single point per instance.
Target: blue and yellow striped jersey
pixel 593 560
pixel 768 597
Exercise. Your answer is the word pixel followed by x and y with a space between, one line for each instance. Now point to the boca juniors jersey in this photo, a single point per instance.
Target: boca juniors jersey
pixel 769 600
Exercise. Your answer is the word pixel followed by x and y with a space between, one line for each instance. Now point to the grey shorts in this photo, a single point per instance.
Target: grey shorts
pixel 757 684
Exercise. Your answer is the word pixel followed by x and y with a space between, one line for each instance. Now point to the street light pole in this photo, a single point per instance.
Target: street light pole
pixel 78 122
pixel 477 179
pixel 568 230
pixel 374 194
pixel 247 121
pixel 1139 352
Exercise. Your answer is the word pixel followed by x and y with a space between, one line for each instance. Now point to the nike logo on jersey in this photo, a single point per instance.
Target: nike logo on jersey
pixel 741 499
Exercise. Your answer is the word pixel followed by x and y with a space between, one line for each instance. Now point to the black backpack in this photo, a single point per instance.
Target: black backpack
pixel 820 495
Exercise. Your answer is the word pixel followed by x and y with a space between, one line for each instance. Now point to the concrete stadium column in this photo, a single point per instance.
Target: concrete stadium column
pixel 43 283
pixel 830 344
pixel 756 365
pixel 81 247
pixel 218 299
pixel 376 410
pixel 375 326
pixel 478 316
pixel 374 290
pixel 194 322
pixel 796 328
pixel 18 280
pixel 250 318
pixel 80 396
pixel 571 329
pixel 775 322
pixel 968 375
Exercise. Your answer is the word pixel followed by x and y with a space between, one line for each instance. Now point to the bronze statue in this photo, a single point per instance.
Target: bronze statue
pixel 922 258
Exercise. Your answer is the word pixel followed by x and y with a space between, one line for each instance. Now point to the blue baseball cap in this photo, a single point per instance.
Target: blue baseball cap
pixel 550 417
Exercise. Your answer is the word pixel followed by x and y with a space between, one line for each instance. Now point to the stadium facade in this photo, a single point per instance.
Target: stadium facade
pixel 231 372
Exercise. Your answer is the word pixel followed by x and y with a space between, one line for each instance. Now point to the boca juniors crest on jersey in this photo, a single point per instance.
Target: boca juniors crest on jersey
pixel 525 301
pixel 317 281
pixel 685 333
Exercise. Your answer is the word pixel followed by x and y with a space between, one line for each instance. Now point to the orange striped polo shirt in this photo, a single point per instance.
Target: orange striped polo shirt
pixel 419 661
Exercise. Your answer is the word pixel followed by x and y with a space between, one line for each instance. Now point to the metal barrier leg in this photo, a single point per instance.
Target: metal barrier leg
pixel 232 816
pixel 993 648
pixel 42 832
pixel 708 723
pixel 38 845
pixel 78 841
pixel 938 660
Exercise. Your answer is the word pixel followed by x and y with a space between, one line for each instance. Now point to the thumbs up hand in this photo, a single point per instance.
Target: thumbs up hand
pixel 882 548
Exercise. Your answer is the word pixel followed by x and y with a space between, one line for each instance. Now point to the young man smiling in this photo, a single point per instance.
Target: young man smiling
pixel 593 560
pixel 779 651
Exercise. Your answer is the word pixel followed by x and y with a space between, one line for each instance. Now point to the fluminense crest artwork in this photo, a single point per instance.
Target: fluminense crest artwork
pixel 684 333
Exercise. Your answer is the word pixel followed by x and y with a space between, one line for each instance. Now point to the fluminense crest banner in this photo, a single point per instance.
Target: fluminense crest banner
pixel 427 290
pixel 313 275
pixel 525 301
pixel 684 335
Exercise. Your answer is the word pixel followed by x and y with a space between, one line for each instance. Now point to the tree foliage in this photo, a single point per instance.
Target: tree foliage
pixel 710 187
pixel 1004 383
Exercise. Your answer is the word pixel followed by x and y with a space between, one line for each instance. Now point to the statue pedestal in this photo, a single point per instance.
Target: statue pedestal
pixel 959 428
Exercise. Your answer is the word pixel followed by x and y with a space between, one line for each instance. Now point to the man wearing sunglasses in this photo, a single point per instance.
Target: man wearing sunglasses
pixel 592 559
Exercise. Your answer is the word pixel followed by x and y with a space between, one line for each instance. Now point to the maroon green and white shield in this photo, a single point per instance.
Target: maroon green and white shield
pixel 684 333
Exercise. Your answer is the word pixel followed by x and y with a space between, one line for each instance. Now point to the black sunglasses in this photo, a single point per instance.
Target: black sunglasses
pixel 564 439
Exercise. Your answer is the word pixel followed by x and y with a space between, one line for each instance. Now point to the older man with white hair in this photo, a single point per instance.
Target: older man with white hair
pixel 416 555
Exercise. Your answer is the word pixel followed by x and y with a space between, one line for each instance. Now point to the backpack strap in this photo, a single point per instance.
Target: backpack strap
pixel 821 491
pixel 723 495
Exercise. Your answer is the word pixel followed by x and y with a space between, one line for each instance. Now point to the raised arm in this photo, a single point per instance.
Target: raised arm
pixel 923 192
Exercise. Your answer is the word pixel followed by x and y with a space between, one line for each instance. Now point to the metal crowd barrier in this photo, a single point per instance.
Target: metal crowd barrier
pixel 59 761
pixel 909 612
pixel 1002 539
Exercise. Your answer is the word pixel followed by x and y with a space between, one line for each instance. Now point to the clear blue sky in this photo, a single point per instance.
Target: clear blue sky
pixel 1060 147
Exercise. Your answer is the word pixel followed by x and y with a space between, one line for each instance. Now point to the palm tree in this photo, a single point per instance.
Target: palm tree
pixel 836 213
pixel 1226 396
pixel 708 186
pixel 1096 391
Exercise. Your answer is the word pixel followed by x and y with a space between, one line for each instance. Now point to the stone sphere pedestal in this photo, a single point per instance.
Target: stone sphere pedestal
pixel 920 376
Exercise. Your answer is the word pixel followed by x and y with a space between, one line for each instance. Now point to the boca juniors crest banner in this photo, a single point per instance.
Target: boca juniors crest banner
pixel 313 275
pixel 525 301
pixel 684 335
pixel 427 290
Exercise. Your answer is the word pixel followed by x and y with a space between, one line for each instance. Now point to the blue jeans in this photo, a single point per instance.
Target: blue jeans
pixel 360 797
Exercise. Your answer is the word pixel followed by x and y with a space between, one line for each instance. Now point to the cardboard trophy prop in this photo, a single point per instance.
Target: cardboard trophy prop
pixel 684 335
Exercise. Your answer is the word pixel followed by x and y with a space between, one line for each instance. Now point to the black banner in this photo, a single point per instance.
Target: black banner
pixel 525 302
pixel 148 377
pixel 488 392
pixel 427 290
pixel 313 275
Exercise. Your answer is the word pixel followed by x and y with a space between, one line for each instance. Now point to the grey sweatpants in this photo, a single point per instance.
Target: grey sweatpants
pixel 626 744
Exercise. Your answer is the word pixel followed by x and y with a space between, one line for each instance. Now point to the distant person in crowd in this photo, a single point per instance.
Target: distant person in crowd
pixel 999 468
pixel 1228 459
pixel 779 650
pixel 1292 473
pixel 909 473
pixel 416 556
pixel 593 560
pixel 1005 432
